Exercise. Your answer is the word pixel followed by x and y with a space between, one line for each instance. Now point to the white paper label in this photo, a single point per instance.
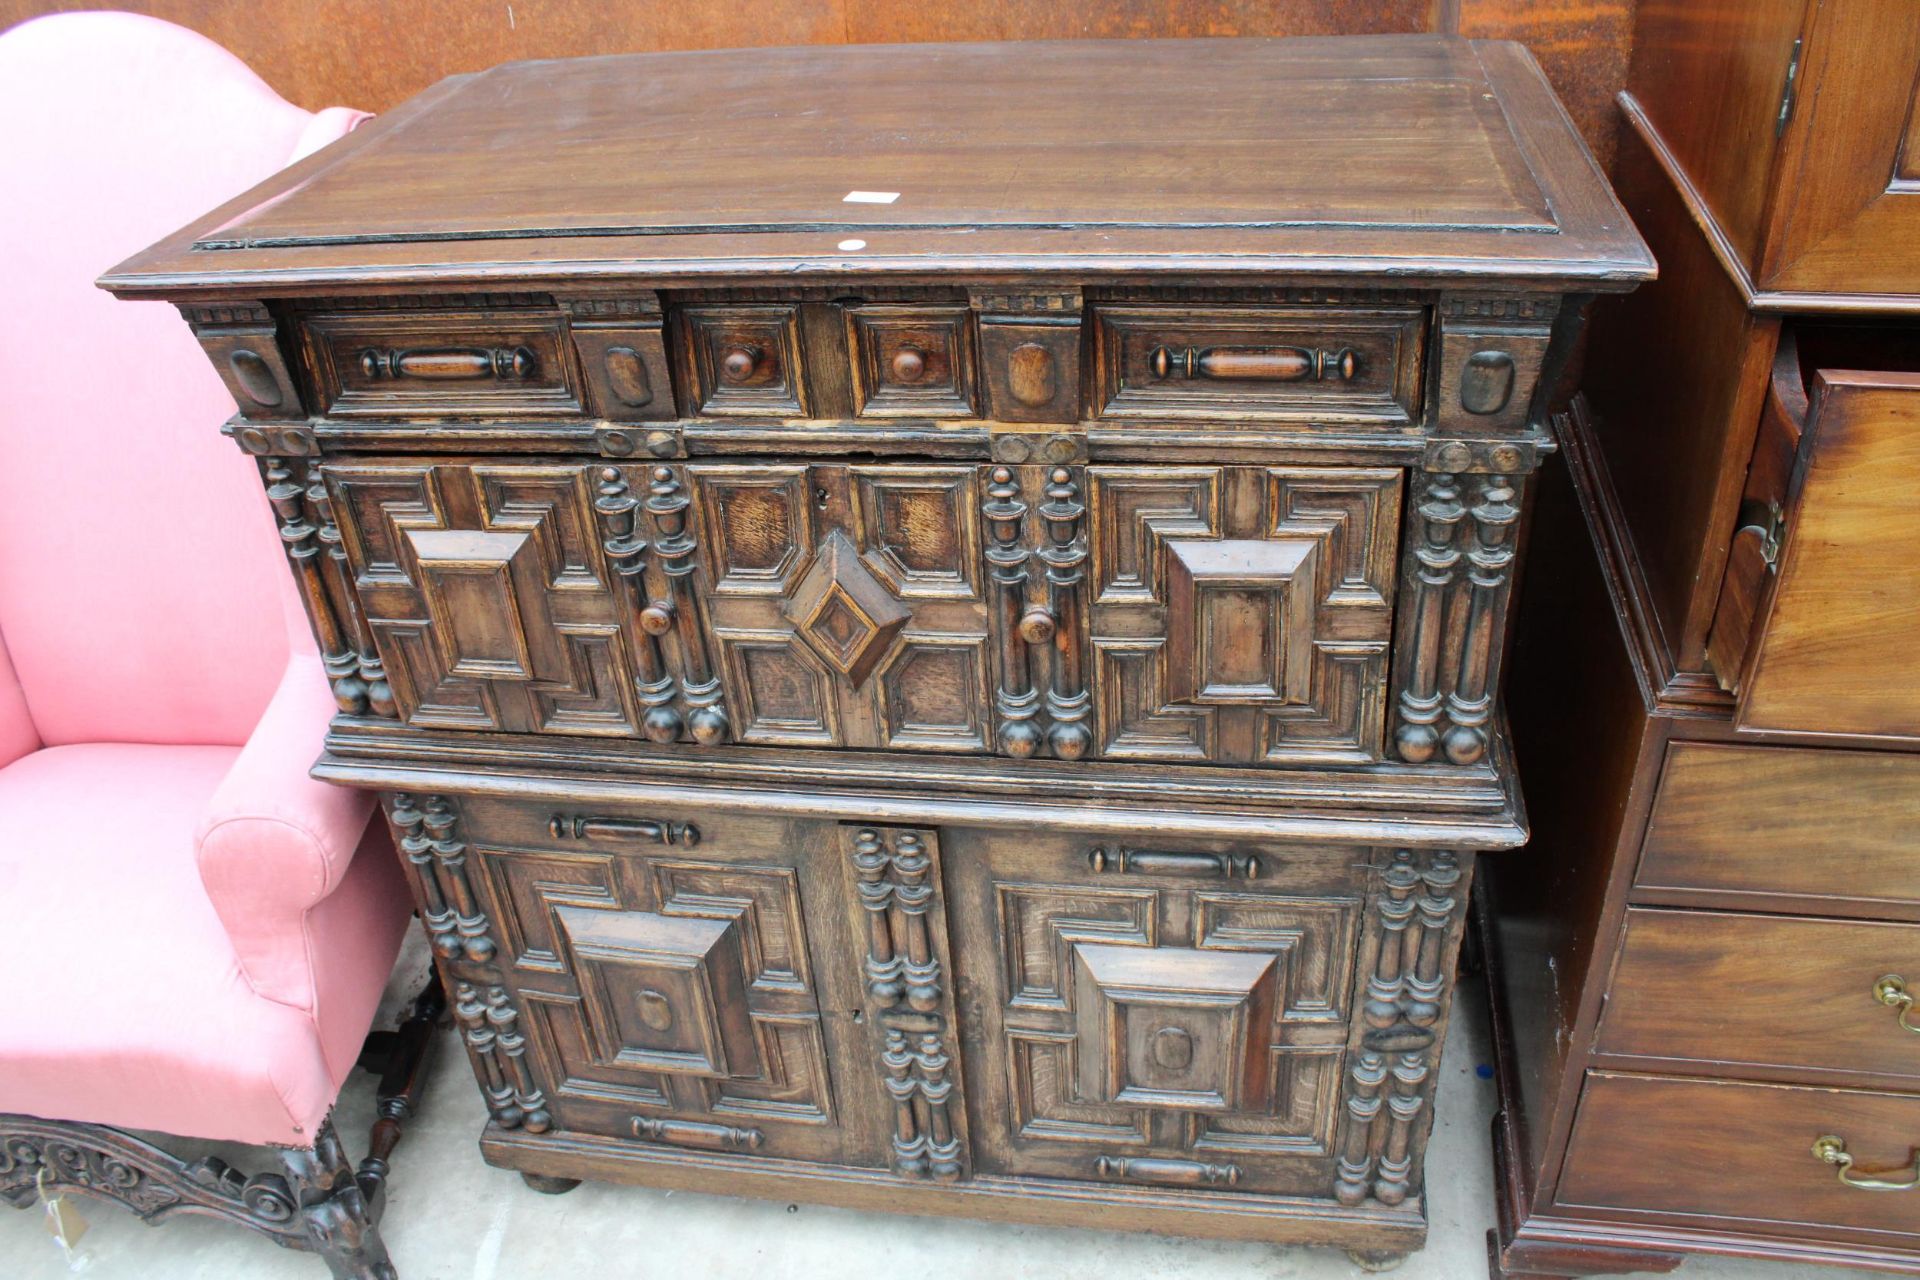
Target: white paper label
pixel 870 197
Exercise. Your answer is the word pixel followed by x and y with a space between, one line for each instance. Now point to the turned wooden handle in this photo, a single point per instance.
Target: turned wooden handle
pixel 1161 862
pixel 693 1133
pixel 1255 364
pixel 580 826
pixel 449 364
pixel 1182 1173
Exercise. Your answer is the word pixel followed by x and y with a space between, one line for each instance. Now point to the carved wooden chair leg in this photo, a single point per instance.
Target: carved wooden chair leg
pixel 402 1058
pixel 340 1224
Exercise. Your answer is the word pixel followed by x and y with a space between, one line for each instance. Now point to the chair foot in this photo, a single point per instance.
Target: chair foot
pixel 402 1058
pixel 339 1222
pixel 549 1186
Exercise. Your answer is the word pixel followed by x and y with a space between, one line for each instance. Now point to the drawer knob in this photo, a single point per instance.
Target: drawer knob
pixel 1161 862
pixel 1832 1150
pixel 909 363
pixel 1892 992
pixel 1179 1173
pixel 1037 625
pixel 1255 364
pixel 738 363
pixel 657 618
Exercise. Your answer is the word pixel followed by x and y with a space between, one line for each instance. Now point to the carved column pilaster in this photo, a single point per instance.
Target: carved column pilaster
pixel 366 664
pixel 1017 701
pixel 667 504
pixel 1355 1169
pixel 431 843
pixel 1490 567
pixel 617 510
pixel 491 1027
pixel 1404 1104
pixel 301 537
pixel 908 1002
pixel 1065 556
pixel 1435 560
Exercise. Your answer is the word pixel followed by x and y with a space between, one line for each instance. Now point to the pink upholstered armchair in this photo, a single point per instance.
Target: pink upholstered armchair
pixel 197 933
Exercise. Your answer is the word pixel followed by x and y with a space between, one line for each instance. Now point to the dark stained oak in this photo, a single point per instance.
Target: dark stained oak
pixel 1001 717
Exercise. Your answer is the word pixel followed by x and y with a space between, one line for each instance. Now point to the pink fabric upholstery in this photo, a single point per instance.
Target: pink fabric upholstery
pixel 17 734
pixel 203 931
pixel 274 843
pixel 137 595
pixel 130 1007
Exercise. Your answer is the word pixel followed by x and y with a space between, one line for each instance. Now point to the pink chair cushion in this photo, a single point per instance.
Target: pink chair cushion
pixel 17 734
pixel 139 575
pixel 130 1007
pixel 274 843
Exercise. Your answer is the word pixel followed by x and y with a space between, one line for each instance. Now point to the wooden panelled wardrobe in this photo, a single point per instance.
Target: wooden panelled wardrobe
pixel 1704 970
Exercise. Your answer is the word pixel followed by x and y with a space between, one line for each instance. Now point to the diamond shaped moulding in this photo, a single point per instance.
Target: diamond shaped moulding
pixel 843 612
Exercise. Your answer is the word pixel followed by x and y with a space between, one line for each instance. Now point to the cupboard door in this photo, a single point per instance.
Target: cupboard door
pixel 1145 1016
pixel 1846 204
pixel 658 977
pixel 1830 647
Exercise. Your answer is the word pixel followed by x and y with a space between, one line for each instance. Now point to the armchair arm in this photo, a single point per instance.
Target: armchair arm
pixel 273 842
pixel 18 737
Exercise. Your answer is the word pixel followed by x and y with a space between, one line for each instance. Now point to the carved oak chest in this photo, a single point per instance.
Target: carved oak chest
pixel 928 619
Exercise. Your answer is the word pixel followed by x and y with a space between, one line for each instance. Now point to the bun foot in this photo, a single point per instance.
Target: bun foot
pixel 549 1186
pixel 1374 1261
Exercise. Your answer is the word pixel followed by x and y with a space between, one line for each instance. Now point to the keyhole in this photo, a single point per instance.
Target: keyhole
pixel 820 497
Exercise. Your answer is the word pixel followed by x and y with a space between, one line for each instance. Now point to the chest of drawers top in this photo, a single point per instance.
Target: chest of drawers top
pixel 1381 157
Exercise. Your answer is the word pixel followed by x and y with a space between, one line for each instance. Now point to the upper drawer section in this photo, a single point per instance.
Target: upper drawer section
pixel 442 364
pixel 1224 363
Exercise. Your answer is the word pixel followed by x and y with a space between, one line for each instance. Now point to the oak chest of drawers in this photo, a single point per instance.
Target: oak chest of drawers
pixel 928 620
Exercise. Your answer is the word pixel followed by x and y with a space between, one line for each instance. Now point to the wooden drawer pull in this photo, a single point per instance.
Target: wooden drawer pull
pixel 692 1133
pixel 449 365
pixel 1181 1173
pixel 1892 992
pixel 579 826
pixel 1833 1151
pixel 1255 364
pixel 1157 862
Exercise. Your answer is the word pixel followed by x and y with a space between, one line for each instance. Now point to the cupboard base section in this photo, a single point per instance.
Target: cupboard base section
pixel 1279 1220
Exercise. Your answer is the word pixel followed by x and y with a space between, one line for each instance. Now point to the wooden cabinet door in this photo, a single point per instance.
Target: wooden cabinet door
pixel 666 977
pixel 1831 646
pixel 1147 1016
pixel 1845 212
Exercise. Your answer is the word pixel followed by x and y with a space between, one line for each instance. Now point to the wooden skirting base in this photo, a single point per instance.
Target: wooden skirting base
pixel 1159 1210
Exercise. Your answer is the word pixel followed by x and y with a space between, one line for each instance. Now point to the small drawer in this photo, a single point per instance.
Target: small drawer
pixel 442 364
pixel 1278 363
pixel 912 361
pixel 1686 986
pixel 1718 1150
pixel 744 360
pixel 1837 830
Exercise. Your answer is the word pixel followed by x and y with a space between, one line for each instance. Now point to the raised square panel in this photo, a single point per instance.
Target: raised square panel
pixel 1171 1027
pixel 912 361
pixel 1240 620
pixel 745 360
pixel 475 583
pixel 663 993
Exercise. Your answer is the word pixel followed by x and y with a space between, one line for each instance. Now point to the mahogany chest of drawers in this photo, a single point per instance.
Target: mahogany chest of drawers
pixel 1707 970
pixel 928 619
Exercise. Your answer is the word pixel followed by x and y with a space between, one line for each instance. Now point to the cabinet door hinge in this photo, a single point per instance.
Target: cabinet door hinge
pixel 1791 89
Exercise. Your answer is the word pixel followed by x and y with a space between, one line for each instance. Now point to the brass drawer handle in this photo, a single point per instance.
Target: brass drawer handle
pixel 449 365
pixel 1255 364
pixel 692 1133
pixel 1891 991
pixel 580 826
pixel 1181 1173
pixel 1160 862
pixel 1833 1151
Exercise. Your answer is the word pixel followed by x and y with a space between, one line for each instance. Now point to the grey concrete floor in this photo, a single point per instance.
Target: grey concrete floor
pixel 452 1217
